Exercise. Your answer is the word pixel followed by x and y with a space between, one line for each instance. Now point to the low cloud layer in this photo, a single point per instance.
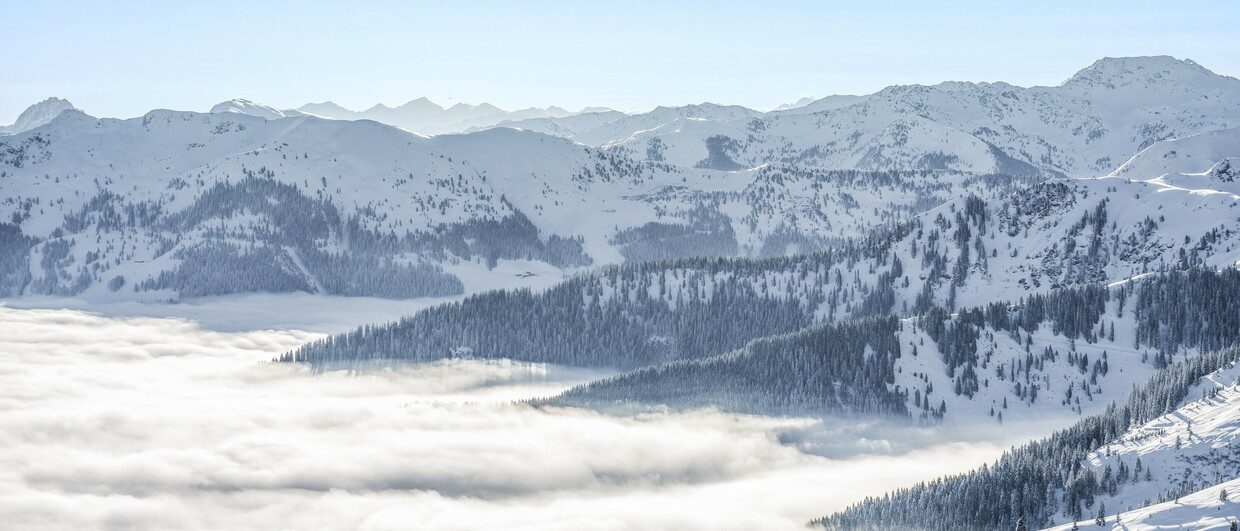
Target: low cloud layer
pixel 156 423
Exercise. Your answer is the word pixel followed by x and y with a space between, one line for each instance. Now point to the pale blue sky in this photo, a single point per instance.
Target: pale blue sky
pixel 124 58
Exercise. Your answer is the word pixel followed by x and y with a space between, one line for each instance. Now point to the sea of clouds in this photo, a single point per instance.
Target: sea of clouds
pixel 159 423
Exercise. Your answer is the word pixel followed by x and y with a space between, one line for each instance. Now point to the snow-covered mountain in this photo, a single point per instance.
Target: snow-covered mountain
pixel 153 204
pixel 799 103
pixel 626 127
pixel 36 115
pixel 242 106
pixel 563 126
pixel 823 104
pixel 1085 126
pixel 99 205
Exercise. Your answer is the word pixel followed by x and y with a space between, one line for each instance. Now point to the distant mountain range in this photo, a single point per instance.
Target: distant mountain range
pixel 651 186
pixel 424 116
pixel 1085 126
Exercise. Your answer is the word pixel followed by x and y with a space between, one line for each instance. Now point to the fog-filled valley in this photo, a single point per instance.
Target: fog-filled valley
pixel 160 423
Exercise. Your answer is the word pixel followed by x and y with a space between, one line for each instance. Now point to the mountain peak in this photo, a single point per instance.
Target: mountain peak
pixel 326 109
pixel 421 105
pixel 54 101
pixel 38 114
pixel 244 106
pixel 799 103
pixel 1116 72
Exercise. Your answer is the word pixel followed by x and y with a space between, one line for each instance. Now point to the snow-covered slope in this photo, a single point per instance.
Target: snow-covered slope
pixel 1199 511
pixel 1169 472
pixel 36 115
pixel 1203 510
pixel 1084 127
pixel 1191 154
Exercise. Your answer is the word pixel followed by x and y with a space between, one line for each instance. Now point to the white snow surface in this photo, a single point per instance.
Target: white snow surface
pixel 1193 453
pixel 1192 154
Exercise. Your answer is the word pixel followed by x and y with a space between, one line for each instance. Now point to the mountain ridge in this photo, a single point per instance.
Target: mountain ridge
pixel 73 177
pixel 1083 127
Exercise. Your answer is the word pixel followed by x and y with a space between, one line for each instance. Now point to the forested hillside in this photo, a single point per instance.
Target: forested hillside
pixel 1042 482
pixel 969 252
pixel 1074 349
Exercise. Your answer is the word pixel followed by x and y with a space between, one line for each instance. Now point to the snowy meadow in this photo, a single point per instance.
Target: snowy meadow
pixel 119 422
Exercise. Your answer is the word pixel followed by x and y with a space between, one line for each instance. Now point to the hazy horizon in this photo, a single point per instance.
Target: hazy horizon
pixel 285 55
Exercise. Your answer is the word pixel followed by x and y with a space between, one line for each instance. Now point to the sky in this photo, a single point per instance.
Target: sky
pixel 123 58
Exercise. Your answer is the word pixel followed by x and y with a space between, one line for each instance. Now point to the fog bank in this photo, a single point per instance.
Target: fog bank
pixel 155 423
